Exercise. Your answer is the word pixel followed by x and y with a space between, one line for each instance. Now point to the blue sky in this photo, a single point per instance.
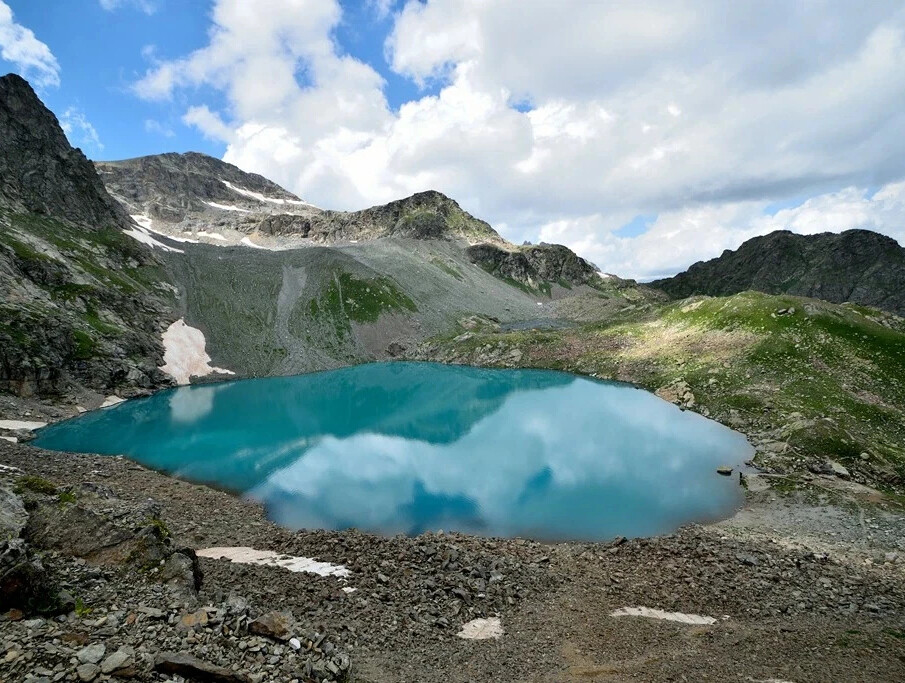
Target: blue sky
pixel 102 52
pixel 644 135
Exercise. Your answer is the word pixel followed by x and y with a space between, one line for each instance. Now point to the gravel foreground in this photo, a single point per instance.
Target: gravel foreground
pixel 804 586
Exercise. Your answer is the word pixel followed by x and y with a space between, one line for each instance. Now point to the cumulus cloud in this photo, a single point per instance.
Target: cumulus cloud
pixel 79 130
pixel 20 46
pixel 147 6
pixel 699 113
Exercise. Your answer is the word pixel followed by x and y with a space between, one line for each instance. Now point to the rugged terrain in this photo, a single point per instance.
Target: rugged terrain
pixel 99 262
pixel 855 266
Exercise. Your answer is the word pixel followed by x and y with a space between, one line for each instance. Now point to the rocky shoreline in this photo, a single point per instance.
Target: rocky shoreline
pixel 797 586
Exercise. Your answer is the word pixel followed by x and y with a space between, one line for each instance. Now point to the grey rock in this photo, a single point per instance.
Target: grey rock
pixel 87 672
pixel 24 582
pixel 120 659
pixel 12 514
pixel 92 654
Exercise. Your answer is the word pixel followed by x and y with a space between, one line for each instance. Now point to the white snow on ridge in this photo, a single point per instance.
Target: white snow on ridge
pixel 264 198
pixel 211 235
pixel 148 224
pixel 650 613
pixel 246 241
pixel 184 353
pixel 142 233
pixel 227 207
pixel 245 555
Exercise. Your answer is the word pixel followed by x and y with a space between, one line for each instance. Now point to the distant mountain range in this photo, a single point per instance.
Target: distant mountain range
pixel 855 266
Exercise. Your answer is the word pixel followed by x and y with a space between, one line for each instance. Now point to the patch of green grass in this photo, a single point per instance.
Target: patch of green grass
pixel 81 609
pixel 85 346
pixel 66 497
pixel 160 526
pixel 35 484
pixel 365 300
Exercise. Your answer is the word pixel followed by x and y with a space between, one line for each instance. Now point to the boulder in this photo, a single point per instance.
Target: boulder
pixel 12 514
pixel 24 583
pixel 276 625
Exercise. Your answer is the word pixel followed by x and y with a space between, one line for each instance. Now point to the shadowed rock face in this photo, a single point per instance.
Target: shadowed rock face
pixel 857 266
pixel 39 171
pixel 80 300
pixel 534 265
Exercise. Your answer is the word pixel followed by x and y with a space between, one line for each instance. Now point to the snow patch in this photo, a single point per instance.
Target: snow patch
pixel 650 613
pixel 142 233
pixel 11 439
pixel 482 629
pixel 268 558
pixel 227 207
pixel 9 468
pixel 211 235
pixel 184 355
pixel 21 424
pixel 248 243
pixel 112 401
pixel 264 198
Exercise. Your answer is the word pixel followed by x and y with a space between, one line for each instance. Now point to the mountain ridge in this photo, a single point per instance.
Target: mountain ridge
pixel 855 266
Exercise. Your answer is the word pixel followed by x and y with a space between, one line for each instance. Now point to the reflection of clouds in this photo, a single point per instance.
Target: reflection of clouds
pixel 190 404
pixel 608 448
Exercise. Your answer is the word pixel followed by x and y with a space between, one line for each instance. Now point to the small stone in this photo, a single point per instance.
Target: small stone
pixel 118 660
pixel 295 643
pixel 725 470
pixel 193 620
pixel 87 672
pixel 91 654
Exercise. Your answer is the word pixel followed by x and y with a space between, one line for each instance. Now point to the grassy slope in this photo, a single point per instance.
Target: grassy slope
pixel 824 381
pixel 83 284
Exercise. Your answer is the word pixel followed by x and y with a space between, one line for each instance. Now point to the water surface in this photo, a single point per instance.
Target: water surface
pixel 410 447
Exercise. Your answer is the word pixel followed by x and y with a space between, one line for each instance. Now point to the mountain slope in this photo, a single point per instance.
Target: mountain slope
pixel 857 266
pixel 81 301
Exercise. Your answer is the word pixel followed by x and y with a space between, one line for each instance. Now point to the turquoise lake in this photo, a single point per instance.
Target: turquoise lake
pixel 411 447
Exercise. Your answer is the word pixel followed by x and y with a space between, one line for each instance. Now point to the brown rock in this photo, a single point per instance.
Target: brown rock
pixel 276 625
pixel 190 667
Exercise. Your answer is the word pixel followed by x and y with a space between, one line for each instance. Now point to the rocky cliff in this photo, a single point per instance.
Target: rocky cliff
pixel 537 267
pixel 80 300
pixel 856 266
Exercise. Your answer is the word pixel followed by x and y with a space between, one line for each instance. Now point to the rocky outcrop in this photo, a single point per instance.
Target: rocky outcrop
pixel 534 266
pixel 80 300
pixel 40 173
pixel 856 266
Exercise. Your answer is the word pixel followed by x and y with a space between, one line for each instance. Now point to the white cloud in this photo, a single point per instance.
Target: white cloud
pixel 154 126
pixel 699 112
pixel 79 130
pixel 147 6
pixel 20 46
pixel 209 123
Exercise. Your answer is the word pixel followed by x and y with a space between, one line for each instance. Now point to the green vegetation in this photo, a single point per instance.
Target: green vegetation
pixel 82 610
pixel 34 484
pixel 163 531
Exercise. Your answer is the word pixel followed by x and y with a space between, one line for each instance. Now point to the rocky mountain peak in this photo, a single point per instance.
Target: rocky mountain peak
pixel 857 266
pixel 40 172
